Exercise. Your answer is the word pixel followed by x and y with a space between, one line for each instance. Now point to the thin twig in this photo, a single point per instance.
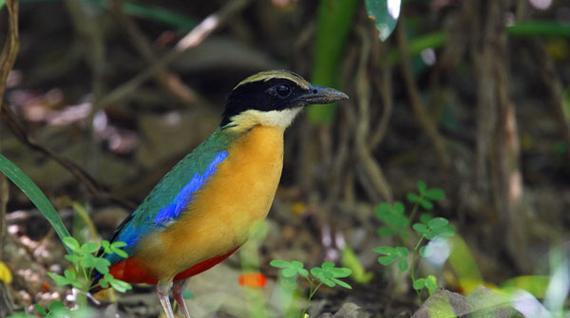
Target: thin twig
pixel 418 107
pixel 384 86
pixel 171 82
pixel 373 170
pixel 191 40
pixel 7 60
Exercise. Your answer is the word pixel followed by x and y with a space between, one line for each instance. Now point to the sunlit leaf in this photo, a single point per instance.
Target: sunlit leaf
pixel 90 247
pixel 5 273
pixel 437 223
pixel 58 279
pixel 41 310
pixel 341 283
pixel 431 284
pixel 385 14
pixel 402 251
pixel 350 260
pixel 120 285
pixel 71 243
pixel 419 284
pixel 279 263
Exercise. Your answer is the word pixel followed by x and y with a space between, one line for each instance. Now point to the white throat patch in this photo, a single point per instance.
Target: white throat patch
pixel 275 118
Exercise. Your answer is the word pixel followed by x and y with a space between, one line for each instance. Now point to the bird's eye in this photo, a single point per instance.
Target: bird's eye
pixel 281 91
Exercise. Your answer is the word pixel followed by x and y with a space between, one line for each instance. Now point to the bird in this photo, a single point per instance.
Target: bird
pixel 207 205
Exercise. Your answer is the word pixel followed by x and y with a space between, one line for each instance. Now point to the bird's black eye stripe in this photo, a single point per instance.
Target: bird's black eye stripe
pixel 281 91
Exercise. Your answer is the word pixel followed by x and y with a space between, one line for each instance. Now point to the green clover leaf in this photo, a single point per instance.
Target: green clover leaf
pixel 290 269
pixel 390 255
pixel 434 227
pixel 71 243
pixel 429 283
pixel 329 275
pixel 89 248
pixel 392 215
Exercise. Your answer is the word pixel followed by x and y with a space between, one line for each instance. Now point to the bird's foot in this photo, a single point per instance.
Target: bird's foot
pixel 177 293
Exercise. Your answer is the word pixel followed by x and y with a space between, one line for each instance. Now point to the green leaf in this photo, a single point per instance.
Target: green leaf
pixel 388 250
pixel 350 260
pixel 403 264
pixel 279 263
pixel 101 265
pixel 387 259
pixel 341 272
pixel 116 248
pixel 447 232
pixel 385 15
pixel 71 243
pixel 73 259
pixel 422 187
pixel 2 3
pixel 437 223
pixel 118 244
pixel 435 194
pixel 120 285
pixel 41 310
pixel 70 275
pixel 423 251
pixel 413 198
pixel 88 261
pixel 106 247
pixel 289 272
pixel 341 283
pixel 425 217
pixel 402 251
pixel 58 279
pixel 426 204
pixel 38 198
pixel 56 305
pixel 431 284
pixel 90 247
pixel 419 284
pixel 421 228
pixel 328 274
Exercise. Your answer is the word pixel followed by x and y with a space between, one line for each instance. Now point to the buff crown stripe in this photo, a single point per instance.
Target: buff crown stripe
pixel 268 75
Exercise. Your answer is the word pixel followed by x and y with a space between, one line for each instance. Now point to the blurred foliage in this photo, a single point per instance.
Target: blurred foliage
pixel 333 25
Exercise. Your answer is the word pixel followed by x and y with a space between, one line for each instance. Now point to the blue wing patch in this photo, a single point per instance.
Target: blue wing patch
pixel 173 210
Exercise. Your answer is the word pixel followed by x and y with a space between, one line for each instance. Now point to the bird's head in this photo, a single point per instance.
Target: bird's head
pixel 273 98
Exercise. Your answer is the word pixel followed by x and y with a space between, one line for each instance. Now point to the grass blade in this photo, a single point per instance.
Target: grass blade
pixel 33 192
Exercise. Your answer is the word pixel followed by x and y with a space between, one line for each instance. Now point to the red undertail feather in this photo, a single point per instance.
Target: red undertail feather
pixel 133 269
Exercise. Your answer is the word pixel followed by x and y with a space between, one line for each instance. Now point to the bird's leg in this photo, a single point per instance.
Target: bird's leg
pixel 163 291
pixel 177 293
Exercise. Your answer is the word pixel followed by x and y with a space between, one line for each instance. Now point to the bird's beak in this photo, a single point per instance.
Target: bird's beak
pixel 321 95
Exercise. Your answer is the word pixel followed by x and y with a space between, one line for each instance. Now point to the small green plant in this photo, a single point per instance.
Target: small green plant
pixel 327 274
pixel 395 223
pixel 85 258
